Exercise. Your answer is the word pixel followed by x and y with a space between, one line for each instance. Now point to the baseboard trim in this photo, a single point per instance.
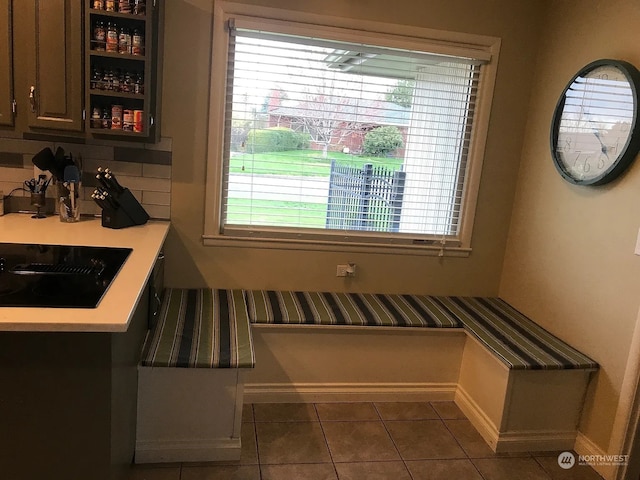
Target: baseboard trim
pixel 585 447
pixel 477 417
pixel 347 392
pixel 517 441
pixel 222 449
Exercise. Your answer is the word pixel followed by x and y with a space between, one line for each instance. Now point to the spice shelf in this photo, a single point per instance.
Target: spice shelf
pixel 107 93
pixel 104 13
pixel 118 56
pixel 125 102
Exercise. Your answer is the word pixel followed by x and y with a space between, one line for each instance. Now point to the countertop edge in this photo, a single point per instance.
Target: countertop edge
pixel 115 311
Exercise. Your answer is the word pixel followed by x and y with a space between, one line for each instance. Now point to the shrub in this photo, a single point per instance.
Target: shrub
pixel 381 141
pixel 276 139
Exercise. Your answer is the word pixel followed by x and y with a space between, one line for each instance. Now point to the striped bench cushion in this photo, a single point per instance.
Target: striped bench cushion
pixel 513 338
pixel 200 328
pixel 321 308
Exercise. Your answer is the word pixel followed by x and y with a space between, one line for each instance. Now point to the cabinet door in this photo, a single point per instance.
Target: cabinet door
pixel 6 64
pixel 52 31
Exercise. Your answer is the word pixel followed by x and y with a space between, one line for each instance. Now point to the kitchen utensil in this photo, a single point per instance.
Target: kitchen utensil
pixel 114 182
pixel 44 159
pixel 68 193
pixel 31 184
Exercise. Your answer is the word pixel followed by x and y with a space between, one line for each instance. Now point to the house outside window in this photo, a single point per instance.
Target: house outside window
pixel 371 142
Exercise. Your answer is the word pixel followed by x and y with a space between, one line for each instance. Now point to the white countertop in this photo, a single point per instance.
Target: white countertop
pixel 116 308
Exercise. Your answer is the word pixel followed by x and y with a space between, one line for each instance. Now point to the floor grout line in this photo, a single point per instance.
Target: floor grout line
pixel 324 435
pixel 258 465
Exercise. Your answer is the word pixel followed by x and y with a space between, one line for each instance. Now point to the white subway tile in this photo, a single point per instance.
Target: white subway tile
pixel 144 183
pixel 119 168
pixel 86 151
pixel 158 211
pixel 8 174
pixel 156 198
pixel 6 187
pixel 165 145
pixel 15 145
pixel 157 171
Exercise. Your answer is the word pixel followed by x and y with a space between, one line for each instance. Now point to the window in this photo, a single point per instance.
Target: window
pixel 334 135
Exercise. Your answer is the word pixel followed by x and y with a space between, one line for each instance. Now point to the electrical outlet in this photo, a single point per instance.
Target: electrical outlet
pixel 347 270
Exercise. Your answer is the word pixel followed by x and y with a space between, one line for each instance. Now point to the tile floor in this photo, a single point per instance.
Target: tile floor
pixel 365 441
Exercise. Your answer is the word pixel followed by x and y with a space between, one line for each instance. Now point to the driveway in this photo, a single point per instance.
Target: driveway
pixel 289 188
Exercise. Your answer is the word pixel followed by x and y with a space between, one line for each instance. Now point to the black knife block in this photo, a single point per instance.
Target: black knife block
pixel 128 213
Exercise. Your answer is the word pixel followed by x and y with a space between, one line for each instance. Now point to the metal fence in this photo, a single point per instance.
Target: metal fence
pixel 367 198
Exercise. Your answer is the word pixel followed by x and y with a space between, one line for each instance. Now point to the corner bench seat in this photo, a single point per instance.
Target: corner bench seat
pixel 520 386
pixel 512 337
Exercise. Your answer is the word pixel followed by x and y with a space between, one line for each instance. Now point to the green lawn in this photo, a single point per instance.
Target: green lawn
pixel 302 162
pixel 245 211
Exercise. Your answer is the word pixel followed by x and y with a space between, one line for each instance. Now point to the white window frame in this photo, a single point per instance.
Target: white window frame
pixel 390 35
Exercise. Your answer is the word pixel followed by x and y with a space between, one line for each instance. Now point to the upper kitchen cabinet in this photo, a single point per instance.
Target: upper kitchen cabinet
pixel 51 91
pixel 80 69
pixel 121 68
pixel 7 103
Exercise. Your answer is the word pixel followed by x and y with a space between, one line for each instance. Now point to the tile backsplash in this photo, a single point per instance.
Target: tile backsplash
pixel 144 169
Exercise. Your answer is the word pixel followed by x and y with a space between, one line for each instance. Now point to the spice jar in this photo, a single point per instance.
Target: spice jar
pixel 110 5
pixel 124 41
pixel 139 7
pixel 115 80
pixel 116 117
pixel 112 37
pixel 138 87
pixel 107 80
pixel 127 120
pixel 124 6
pixel 106 118
pixel 137 43
pixel 98 4
pixel 99 35
pixel 126 84
pixel 138 121
pixel 96 117
pixel 96 79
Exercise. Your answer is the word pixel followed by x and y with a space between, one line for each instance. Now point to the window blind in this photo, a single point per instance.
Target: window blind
pixel 324 136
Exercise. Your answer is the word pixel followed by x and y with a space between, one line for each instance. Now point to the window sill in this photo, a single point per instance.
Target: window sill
pixel 333 246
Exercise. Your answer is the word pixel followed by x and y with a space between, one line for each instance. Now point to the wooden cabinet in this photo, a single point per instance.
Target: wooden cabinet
pixel 6 64
pixel 69 400
pixel 121 70
pixel 47 62
pixel 51 34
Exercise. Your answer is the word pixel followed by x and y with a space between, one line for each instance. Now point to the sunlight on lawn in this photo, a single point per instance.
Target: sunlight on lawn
pixel 301 162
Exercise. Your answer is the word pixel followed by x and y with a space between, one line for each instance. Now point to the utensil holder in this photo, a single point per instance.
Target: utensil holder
pixel 68 202
pixel 128 212
pixel 38 200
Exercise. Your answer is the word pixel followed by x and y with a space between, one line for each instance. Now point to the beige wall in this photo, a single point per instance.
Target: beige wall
pixel 186 77
pixel 569 262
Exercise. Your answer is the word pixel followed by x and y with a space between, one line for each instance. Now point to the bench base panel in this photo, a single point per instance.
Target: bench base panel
pixel 340 363
pixel 520 410
pixel 189 414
